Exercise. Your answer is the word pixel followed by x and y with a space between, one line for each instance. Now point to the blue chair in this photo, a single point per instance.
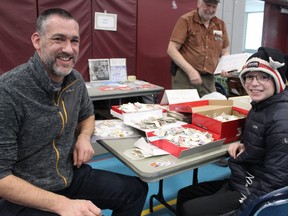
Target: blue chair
pixel 274 203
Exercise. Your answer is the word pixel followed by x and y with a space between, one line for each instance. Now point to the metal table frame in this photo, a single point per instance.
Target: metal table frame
pixel 148 173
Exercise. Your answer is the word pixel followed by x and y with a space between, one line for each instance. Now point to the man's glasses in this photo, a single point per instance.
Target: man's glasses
pixel 261 78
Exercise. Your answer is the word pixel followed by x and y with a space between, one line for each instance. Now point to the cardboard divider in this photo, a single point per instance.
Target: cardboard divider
pixel 242 101
pixel 188 106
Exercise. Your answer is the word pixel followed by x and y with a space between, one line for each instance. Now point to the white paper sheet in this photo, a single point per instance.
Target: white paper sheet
pixel 143 150
pixel 179 96
pixel 233 62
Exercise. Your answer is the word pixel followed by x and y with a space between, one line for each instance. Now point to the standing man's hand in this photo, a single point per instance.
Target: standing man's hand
pixel 225 74
pixel 173 52
pixel 195 78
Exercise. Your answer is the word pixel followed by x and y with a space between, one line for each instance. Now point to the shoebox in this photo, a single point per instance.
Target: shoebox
pixel 181 152
pixel 187 106
pixel 127 117
pixel 231 130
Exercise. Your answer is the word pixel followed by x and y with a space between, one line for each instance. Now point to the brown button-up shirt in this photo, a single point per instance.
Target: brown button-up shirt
pixel 200 46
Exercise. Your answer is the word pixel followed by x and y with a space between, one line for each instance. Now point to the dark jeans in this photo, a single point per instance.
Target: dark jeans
pixel 125 195
pixel 207 199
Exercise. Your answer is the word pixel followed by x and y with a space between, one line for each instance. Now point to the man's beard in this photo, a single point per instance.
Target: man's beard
pixel 206 16
pixel 57 71
pixel 52 66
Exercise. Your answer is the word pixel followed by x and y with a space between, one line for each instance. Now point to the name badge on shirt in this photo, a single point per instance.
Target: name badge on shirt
pixel 217 35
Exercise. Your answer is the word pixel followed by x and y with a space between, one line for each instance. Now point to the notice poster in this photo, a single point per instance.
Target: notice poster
pixel 105 21
pixel 118 71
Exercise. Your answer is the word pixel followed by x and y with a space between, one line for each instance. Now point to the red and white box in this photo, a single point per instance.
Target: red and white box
pixel 181 152
pixel 231 130
pixel 139 115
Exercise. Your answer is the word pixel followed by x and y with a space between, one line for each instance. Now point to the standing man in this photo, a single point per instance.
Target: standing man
pixel 46 122
pixel 197 42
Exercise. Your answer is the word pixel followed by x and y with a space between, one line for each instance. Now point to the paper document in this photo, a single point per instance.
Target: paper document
pixel 118 70
pixel 143 150
pixel 233 62
pixel 179 96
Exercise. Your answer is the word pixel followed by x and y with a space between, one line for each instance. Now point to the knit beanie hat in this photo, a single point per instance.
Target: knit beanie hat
pixel 270 61
pixel 212 1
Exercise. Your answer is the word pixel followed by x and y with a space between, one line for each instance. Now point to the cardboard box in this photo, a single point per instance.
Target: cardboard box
pixel 230 130
pixel 187 106
pixel 128 117
pixel 181 152
pixel 243 102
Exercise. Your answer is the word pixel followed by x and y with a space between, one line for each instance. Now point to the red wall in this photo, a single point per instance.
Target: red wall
pixel 275 28
pixel 17 23
pixel 156 20
pixel 20 19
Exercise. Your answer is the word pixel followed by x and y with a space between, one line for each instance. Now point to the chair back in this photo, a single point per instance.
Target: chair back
pixel 274 203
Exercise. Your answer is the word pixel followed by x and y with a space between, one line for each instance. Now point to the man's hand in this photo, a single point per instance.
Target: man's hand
pixel 196 81
pixel 236 149
pixel 19 191
pixel 195 78
pixel 83 150
pixel 225 74
pixel 79 208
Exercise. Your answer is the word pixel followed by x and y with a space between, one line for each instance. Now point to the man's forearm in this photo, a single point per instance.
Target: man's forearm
pixel 86 127
pixel 21 192
pixel 175 55
pixel 225 51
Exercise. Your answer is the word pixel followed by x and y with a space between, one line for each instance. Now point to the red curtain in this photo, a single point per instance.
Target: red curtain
pixel 17 26
pixel 120 43
pixel 275 28
pixel 156 20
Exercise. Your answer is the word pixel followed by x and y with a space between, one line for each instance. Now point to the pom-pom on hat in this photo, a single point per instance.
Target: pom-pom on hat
pixel 270 61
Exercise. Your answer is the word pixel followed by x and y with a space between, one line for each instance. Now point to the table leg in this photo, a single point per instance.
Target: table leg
pixel 195 176
pixel 159 196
